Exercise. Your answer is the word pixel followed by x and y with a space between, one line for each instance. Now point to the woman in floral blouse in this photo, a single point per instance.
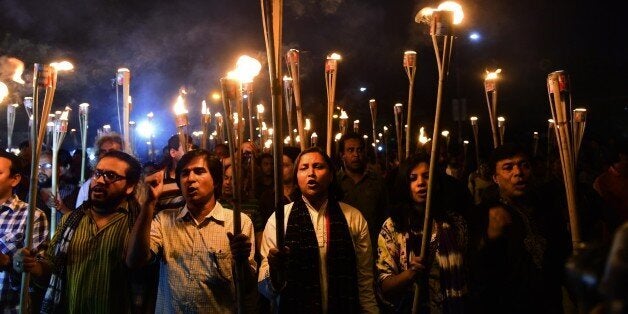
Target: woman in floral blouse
pixel 441 275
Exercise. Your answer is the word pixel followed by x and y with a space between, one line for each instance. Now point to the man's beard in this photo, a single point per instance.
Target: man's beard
pixel 107 203
pixel 44 181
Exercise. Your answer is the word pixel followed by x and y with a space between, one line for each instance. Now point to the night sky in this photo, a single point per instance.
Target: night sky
pixel 170 44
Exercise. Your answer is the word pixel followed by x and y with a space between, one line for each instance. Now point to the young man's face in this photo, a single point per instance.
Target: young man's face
pixel 267 166
pixel 512 175
pixel 197 184
pixel 7 181
pixel 44 175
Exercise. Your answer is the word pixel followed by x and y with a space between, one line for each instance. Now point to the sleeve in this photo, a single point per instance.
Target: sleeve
pixel 388 254
pixel 82 194
pixel 40 232
pixel 364 260
pixel 156 238
pixel 264 284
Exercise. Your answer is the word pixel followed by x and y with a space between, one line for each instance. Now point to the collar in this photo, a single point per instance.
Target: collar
pixel 13 203
pixel 310 206
pixel 217 213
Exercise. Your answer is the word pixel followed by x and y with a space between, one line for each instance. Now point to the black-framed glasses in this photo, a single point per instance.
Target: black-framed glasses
pixel 108 176
pixel 45 166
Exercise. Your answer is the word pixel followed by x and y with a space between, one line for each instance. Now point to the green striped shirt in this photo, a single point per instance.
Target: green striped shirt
pixel 97 279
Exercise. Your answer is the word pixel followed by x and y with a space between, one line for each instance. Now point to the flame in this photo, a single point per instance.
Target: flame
pixel 286 140
pixel 264 127
pixel 123 70
pixel 218 115
pixel 150 115
pixel 287 78
pixel 260 108
pixel 334 56
pixel 204 109
pixel 423 136
pixel 297 139
pixel 4 91
pixel 314 135
pixel 271 131
pixel 492 75
pixel 268 143
pixel 501 119
pixel 216 96
pixel 247 68
pixel 465 142
pixel 453 6
pixel 385 128
pixel 343 115
pixel 356 122
pixel 179 106
pixel 64 115
pixel 308 125
pixel 19 69
pixel 424 15
pixel 62 66
pixel 445 133
pixel 338 136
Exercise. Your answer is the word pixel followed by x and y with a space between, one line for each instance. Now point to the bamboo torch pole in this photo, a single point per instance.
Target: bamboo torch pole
pixel 398 112
pixel 292 59
pixel 373 109
pixel 331 71
pixel 442 23
pixel 409 64
pixel 490 90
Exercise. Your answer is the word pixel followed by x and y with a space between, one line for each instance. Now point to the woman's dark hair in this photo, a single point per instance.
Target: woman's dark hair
pixel 334 192
pixel 213 164
pixel 403 212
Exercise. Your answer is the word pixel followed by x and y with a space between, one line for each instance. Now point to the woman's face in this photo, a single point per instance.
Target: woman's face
pixel 313 175
pixel 419 177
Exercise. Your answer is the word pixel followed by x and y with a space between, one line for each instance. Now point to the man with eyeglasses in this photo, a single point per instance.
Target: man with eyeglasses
pixel 520 241
pixel 64 198
pixel 194 244
pixel 106 143
pixel 84 266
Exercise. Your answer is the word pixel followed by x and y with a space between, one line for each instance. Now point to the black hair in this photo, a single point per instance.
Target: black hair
pixel 133 172
pixel 109 137
pixel 173 141
pixel 264 156
pixel 334 192
pixel 213 164
pixel 16 163
pixel 504 152
pixel 350 136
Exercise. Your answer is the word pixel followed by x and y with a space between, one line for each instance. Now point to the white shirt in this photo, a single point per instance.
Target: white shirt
pixel 83 194
pixel 359 232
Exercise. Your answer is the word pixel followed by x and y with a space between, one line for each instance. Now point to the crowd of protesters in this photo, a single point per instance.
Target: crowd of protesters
pixel 159 237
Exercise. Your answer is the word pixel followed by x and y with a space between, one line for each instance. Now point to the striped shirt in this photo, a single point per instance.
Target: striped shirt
pixel 97 279
pixel 195 260
pixel 13 216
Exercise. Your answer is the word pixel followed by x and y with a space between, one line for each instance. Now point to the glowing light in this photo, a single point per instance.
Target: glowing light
pixel 492 75
pixel 179 106
pixel 286 140
pixel 204 109
pixel 338 136
pixel 216 96
pixel 146 129
pixel 308 125
pixel 423 136
pixel 260 108
pixel 19 69
pixel 335 116
pixel 385 128
pixel 474 36
pixel 150 115
pixel 247 68
pixel 343 115
pixel 363 89
pixel 334 56
pixel 445 133
pixel 465 142
pixel 379 148
pixel 268 143
pixel 455 7
pixel 62 66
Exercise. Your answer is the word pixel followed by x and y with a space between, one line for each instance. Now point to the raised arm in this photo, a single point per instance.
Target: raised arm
pixel 138 249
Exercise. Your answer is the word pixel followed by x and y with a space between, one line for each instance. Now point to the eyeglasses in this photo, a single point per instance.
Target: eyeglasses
pixel 108 176
pixel 45 166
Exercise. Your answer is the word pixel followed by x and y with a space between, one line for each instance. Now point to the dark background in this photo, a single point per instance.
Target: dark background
pixel 170 44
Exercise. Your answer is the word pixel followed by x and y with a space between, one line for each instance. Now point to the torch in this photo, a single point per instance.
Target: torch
pixel 577 124
pixel 287 94
pixel 60 129
pixel 181 121
pixel 4 91
pixel 292 60
pixel 474 126
pixel 206 119
pixel 535 144
pixel 342 125
pixel 398 111
pixel 501 126
pixel 219 127
pixel 409 64
pixel 550 127
pixel 441 21
pixel 132 126
pixel 50 127
pixel 560 103
pixel 373 108
pixel 10 123
pixel 490 90
pixel 385 138
pixel 445 134
pixel 44 76
pixel 260 123
pixel 356 126
pixel 313 139
pixel 124 79
pixel 83 113
pixel 151 140
pixel 331 71
pixel 307 128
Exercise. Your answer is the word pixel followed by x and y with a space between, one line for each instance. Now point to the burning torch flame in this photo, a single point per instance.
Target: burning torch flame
pixel 260 108
pixel 334 56
pixel 308 125
pixel 423 136
pixel 455 7
pixel 204 109
pixel 247 68
pixel 343 115
pixel 444 133
pixel 179 106
pixel 62 66
pixel 492 75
